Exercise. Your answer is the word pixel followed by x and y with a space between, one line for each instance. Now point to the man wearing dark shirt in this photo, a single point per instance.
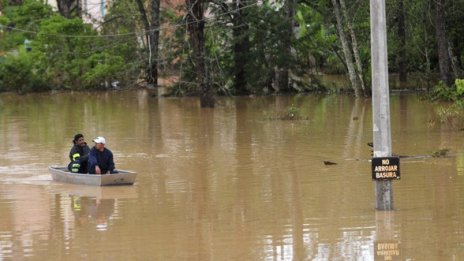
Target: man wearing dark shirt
pixel 100 158
pixel 80 150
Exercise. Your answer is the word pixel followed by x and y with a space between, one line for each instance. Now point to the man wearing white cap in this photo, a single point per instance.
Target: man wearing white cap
pixel 100 158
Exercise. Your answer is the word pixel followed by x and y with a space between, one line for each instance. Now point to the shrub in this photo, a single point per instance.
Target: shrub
pixel 18 73
pixel 441 92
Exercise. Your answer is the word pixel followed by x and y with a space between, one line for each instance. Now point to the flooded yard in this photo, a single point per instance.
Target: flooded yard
pixel 238 182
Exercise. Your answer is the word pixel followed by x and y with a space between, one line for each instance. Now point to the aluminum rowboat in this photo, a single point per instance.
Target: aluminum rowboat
pixel 123 177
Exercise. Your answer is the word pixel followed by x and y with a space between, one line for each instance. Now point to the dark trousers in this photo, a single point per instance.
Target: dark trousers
pixel 103 171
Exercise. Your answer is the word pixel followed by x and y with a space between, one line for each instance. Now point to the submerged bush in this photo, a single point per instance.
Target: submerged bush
pixel 441 92
pixel 452 115
pixel 290 113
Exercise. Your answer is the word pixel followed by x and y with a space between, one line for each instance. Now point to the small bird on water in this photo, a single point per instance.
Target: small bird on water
pixel 326 162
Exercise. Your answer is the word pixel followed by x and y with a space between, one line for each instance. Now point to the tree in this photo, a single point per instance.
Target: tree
pixel 402 55
pixel 195 27
pixel 354 45
pixel 315 41
pixel 152 31
pixel 65 53
pixel 346 50
pixel 282 70
pixel 25 17
pixel 241 46
pixel 442 42
pixel 454 16
pixel 237 15
pixel 20 73
pixel 73 56
pixel 119 22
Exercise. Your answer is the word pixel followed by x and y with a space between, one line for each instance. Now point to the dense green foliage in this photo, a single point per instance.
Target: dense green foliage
pixel 64 53
pixel 442 92
pixel 250 47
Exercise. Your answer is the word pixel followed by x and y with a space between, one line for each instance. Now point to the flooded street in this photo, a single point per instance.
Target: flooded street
pixel 231 183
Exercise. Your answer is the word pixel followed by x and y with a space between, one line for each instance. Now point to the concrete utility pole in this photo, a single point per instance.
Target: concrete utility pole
pixel 380 100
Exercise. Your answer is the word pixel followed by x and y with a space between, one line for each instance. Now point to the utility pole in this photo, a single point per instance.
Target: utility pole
pixel 380 100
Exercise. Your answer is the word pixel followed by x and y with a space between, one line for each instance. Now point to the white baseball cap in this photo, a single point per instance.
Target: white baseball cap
pixel 99 140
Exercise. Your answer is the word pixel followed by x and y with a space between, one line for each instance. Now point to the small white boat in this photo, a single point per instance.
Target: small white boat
pixel 62 174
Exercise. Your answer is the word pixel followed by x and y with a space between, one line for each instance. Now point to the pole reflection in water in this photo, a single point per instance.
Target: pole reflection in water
pixel 232 183
pixel 386 244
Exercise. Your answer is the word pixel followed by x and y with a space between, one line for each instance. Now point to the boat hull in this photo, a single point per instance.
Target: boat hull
pixel 123 177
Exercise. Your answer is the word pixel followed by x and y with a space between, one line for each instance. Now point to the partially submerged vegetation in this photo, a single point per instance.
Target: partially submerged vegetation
pixel 290 113
pixel 450 114
pixel 440 153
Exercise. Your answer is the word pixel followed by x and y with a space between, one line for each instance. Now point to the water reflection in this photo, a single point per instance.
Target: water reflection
pixel 93 211
pixel 24 221
pixel 226 184
pixel 93 208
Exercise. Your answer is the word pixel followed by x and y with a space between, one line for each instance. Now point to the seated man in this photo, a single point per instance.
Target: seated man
pixel 100 158
pixel 80 147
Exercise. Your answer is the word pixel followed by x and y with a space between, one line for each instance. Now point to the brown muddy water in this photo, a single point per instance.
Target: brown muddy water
pixel 230 183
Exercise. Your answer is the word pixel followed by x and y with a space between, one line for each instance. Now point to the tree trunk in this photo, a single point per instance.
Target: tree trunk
pixel 346 51
pixel 143 13
pixel 64 8
pixel 67 7
pixel 195 27
pixel 401 58
pixel 281 80
pixel 154 43
pixel 78 8
pixel 152 28
pixel 281 72
pixel 241 47
pixel 354 43
pixel 442 42
pixel 457 72
pixel 428 63
pixel 14 2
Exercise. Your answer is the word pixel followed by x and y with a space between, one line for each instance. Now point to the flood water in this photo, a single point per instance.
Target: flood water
pixel 230 183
